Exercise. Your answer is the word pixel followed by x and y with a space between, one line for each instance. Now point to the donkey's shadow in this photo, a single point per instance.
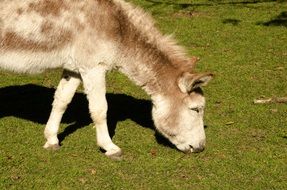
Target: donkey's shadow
pixel 34 102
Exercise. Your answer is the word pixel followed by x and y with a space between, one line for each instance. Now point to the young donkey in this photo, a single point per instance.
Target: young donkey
pixel 89 37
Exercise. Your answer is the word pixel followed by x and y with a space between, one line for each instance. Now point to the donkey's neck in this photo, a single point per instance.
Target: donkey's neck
pixel 150 69
pixel 152 60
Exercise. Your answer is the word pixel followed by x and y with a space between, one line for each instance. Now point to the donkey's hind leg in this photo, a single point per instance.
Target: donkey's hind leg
pixel 95 88
pixel 63 96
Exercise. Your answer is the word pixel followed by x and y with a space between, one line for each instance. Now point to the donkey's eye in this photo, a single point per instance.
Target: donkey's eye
pixel 195 109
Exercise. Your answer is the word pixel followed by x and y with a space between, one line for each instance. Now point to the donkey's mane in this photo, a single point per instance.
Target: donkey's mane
pixel 145 25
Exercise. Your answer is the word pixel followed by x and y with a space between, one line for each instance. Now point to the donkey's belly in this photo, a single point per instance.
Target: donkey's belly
pixel 27 62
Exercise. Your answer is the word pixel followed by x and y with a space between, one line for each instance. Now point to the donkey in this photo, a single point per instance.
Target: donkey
pixel 90 37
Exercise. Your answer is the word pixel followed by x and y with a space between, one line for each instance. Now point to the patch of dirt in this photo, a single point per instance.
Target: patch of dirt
pixel 258 134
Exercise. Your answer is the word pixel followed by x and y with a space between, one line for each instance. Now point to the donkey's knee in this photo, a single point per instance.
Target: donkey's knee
pixel 65 92
pixel 60 102
pixel 99 116
pixel 98 108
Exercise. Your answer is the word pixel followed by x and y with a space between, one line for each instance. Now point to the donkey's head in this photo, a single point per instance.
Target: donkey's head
pixel 180 117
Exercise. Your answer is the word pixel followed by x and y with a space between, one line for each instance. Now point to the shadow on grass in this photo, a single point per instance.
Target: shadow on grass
pixel 212 3
pixel 234 22
pixel 280 20
pixel 33 103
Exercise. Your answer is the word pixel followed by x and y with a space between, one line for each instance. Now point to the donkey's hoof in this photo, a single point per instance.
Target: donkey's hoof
pixel 51 146
pixel 115 154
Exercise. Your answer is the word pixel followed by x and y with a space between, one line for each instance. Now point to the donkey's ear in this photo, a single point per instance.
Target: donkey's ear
pixel 188 82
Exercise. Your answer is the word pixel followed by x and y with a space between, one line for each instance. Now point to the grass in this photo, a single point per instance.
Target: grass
pixel 242 42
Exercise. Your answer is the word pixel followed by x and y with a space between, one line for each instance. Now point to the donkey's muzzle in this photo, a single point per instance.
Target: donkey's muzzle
pixel 198 149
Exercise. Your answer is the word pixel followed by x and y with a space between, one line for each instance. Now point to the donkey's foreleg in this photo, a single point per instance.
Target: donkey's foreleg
pixel 95 88
pixel 63 96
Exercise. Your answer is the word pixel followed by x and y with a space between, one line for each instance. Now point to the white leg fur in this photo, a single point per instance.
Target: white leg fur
pixel 63 96
pixel 95 88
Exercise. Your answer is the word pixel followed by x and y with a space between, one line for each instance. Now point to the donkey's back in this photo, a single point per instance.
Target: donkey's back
pixel 42 34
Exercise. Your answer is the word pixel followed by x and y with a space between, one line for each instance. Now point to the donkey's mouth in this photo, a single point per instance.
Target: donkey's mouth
pixel 191 150
pixel 187 149
pixel 196 150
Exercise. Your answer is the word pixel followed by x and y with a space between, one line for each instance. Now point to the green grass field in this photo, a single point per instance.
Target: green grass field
pixel 244 42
